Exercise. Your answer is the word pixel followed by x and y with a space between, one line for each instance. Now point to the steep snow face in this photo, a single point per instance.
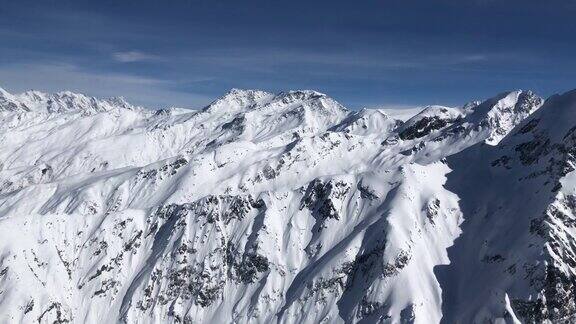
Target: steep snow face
pixel 516 256
pixel 259 208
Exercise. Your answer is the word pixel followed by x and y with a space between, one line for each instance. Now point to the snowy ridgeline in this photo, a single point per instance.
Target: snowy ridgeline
pixel 288 208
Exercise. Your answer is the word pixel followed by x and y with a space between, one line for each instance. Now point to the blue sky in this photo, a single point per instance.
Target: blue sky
pixel 362 53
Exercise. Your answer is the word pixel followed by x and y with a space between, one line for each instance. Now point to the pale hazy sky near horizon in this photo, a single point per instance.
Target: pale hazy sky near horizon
pixel 362 53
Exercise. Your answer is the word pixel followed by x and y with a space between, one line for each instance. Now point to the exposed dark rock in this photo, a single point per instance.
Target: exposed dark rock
pixel 56 309
pixel 320 197
pixel 423 127
pixel 29 306
pixel 237 125
pixel 432 209
pixel 366 192
pixel 369 308
pixel 407 315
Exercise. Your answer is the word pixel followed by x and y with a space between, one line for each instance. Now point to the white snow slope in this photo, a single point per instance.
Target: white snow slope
pixel 286 208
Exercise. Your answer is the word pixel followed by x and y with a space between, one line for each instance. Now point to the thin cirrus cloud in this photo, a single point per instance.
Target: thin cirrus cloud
pixel 133 56
pixel 263 59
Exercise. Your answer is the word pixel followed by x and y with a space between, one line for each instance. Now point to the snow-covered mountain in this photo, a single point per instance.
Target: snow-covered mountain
pixel 286 208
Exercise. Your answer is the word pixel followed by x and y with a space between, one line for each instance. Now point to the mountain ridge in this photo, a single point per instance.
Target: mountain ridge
pixel 283 208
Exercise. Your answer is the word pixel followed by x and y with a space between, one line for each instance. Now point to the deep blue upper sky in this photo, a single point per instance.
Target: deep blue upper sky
pixel 362 53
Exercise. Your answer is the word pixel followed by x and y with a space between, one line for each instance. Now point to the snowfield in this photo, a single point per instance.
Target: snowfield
pixel 286 208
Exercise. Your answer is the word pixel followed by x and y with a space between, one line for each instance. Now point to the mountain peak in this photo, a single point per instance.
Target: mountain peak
pixel 119 101
pixel 503 112
pixel 8 102
pixel 245 92
pixel 313 101
pixel 556 117
pixel 237 99
pixel 302 94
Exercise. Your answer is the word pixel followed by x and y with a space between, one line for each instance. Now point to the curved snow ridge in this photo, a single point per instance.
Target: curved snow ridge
pixel 368 122
pixel 258 208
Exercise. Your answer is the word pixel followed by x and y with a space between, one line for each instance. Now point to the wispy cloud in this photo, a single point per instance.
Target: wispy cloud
pixel 133 56
pixel 268 60
pixel 471 58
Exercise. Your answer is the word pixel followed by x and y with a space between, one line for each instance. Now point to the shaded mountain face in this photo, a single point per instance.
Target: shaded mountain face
pixel 518 235
pixel 286 208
